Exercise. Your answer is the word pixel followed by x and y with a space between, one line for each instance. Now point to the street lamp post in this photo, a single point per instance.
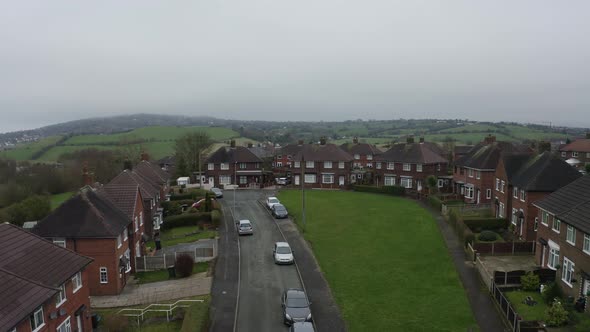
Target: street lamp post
pixel 235 184
pixel 302 180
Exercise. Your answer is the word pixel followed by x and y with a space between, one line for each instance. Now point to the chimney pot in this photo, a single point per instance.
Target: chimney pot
pixel 300 142
pixel 250 145
pixel 410 139
pixel 323 140
pixel 145 156
pixel 421 139
pixel 232 143
pixel 355 140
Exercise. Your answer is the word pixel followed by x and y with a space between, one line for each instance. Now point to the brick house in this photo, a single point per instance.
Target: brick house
pixel 474 173
pixel 91 225
pixel 322 166
pixel 283 159
pixel 577 153
pixel 154 174
pixel 409 164
pixel 44 286
pixel 563 238
pixel 234 165
pixel 364 156
pixel 537 177
pixel 507 167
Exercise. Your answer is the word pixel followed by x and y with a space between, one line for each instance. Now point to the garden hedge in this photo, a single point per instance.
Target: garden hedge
pixel 435 202
pixel 192 194
pixel 388 190
pixel 186 219
pixel 492 224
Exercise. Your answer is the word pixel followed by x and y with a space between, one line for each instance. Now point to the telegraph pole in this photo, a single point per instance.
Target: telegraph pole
pixel 235 184
pixel 302 180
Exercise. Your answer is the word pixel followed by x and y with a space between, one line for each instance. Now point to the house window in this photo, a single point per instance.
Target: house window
pixel 243 179
pixel 567 272
pixel 103 275
pixel 136 223
pixel 571 235
pixel 369 157
pixel 224 179
pixel 357 156
pixel 309 164
pixel 553 258
pixel 575 154
pixel 77 281
pixel 60 297
pixel 564 154
pixel 586 246
pixel 66 326
pixel 438 167
pixel 587 154
pixel 488 193
pixel 389 181
pixel 513 217
pixel 440 183
pixel 341 164
pixel 407 167
pixel 515 192
pixel 502 211
pixel 60 242
pixel 556 224
pixel 310 178
pixel 418 167
pixel 502 184
pixel 369 165
pixel 545 218
pixel 469 192
pixel 390 165
pixel 378 165
pixel 406 182
pixel 522 195
pixel 125 234
pixel 279 156
pixel 37 319
pixel 297 164
pixel 224 166
pixel 327 164
pixel 211 166
pixel 242 165
pixel 327 178
pixel 141 218
pixel 119 242
pixel 478 174
pixel 497 184
pixel 470 173
pixel 279 164
pixel 536 225
pixel 127 261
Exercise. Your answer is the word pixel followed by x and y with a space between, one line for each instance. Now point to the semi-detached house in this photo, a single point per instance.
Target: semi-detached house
pixel 364 157
pixel 322 165
pixel 234 165
pixel 577 153
pixel 44 287
pixel 563 238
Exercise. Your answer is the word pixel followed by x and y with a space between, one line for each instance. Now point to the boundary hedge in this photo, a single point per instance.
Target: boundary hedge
pixel 388 190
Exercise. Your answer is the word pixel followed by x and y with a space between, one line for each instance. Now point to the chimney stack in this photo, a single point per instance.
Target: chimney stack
pixel 87 178
pixel 232 143
pixel 422 140
pixel 355 140
pixel 323 140
pixel 145 156
pixel 410 139
pixel 250 145
pixel 489 139
pixel 544 146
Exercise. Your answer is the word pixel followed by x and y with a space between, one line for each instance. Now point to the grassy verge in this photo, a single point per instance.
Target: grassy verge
pixel 196 316
pixel 182 235
pixel 385 261
pixel 57 199
pixel 162 275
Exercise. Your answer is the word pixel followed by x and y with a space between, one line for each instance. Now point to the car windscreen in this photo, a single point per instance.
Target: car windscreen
pixel 297 303
pixel 245 225
pixel 283 250
pixel 280 209
pixel 273 200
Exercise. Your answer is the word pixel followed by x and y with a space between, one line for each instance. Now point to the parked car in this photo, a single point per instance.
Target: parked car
pixel 270 201
pixel 282 181
pixel 279 211
pixel 218 193
pixel 282 253
pixel 244 227
pixel 295 306
pixel 302 327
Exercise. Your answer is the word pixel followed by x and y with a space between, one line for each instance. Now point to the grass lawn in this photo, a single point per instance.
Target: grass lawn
pixel 536 312
pixel 162 275
pixel 57 199
pixel 176 235
pixel 195 318
pixel 385 261
pixel 26 151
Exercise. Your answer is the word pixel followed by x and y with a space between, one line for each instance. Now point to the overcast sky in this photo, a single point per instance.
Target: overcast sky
pixel 525 61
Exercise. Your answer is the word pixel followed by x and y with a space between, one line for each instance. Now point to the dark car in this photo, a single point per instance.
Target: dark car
pixel 295 306
pixel 302 327
pixel 279 211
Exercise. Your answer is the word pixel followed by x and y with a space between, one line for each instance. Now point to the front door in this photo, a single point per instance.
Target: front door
pixel 419 185
pixel 296 180
pixel 79 325
pixel 586 287
pixel 478 196
pixel 212 181
pixel 341 180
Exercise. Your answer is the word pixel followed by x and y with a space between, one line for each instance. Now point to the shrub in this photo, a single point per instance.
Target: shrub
pixel 186 219
pixel 530 281
pixel 556 314
pixel 184 265
pixel 468 236
pixel 487 236
pixel 116 323
pixel 550 292
pixel 216 217
pixel 435 202
pixel 492 224
pixel 389 190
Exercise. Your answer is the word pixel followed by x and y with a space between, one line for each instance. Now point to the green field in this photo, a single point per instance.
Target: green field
pixel 57 199
pixel 25 151
pixel 385 261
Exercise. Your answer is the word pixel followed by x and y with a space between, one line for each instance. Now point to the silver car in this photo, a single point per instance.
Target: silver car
pixel 218 193
pixel 282 253
pixel 302 327
pixel 244 227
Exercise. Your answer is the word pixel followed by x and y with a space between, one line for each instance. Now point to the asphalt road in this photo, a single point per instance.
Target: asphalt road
pixel 262 281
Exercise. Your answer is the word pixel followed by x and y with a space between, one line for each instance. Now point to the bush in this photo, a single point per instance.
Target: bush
pixel 435 202
pixel 389 190
pixel 550 292
pixel 116 323
pixel 216 217
pixel 530 281
pixel 556 314
pixel 184 265
pixel 468 236
pixel 173 208
pixel 186 219
pixel 485 223
pixel 487 236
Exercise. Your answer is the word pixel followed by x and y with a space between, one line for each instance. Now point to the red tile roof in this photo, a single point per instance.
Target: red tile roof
pixel 123 196
pixel 580 145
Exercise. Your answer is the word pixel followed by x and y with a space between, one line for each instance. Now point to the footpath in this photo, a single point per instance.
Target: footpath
pixel 486 314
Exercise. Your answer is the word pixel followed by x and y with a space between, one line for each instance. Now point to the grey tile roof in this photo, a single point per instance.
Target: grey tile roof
pixel 149 189
pixel 361 148
pixel 545 172
pixel 31 269
pixel 571 203
pixel 415 153
pixel 261 152
pixel 86 215
pixel 239 154
pixel 487 156
pixel 326 152
pixel 151 172
pixel 513 164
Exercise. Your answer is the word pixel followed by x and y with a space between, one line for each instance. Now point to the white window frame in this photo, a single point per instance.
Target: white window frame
pixel 390 166
pixel 478 175
pixel 327 164
pixel 513 217
pixel 586 244
pixel 488 193
pixel 389 181
pixel 564 154
pixel 297 164
pixel 469 192
pixel 570 235
pixel 440 183
pixel 567 271
pixel 119 241
pixel 497 184
pixel 369 165
pixel 341 165
pixel 357 156
pixel 470 172
pixel 418 167
pixel 103 271
pixel 128 256
pixel 522 195
pixel 242 165
pixel 406 182
pixel 211 166
pixel 438 167
pixel 125 234
pixel 308 178
pixel 369 157
pixel 243 179
pixel 61 297
pixel 502 211
pixel 65 326
pixel 309 164
pixel 60 242
pixel 225 179
pixel 515 192
pixel 224 166
pixel 536 224
pixel 279 164
pixel 140 218
pixel 553 259
pixel 77 282
pixel 545 218
pixel 556 227
pixel 36 325
pixel 575 154
pixel 136 223
pixel 327 178
pixel 502 186
pixel 378 165
pixel 407 167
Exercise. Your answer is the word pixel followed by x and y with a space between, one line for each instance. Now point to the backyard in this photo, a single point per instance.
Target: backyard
pixel 182 234
pixel 385 261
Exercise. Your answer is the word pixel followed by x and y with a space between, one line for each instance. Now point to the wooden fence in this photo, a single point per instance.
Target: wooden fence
pixel 159 262
pixel 505 248
pixel 515 322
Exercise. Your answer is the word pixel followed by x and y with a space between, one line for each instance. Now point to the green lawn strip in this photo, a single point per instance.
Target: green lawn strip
pixel 162 275
pixel 25 151
pixel 176 236
pixel 527 312
pixel 196 314
pixel 57 199
pixel 385 261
